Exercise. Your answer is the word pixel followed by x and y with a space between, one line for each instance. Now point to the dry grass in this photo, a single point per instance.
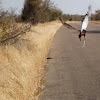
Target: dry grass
pixel 73 21
pixel 22 63
pixel 95 22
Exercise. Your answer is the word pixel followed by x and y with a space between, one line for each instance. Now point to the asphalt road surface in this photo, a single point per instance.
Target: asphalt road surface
pixel 73 72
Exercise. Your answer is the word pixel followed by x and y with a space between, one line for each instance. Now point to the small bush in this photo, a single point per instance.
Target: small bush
pixel 9 28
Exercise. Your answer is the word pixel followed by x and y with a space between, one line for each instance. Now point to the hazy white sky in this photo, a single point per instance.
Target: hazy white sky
pixel 67 6
pixel 16 4
pixel 77 6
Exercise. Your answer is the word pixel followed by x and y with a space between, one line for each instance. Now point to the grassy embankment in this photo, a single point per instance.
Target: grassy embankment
pixel 22 63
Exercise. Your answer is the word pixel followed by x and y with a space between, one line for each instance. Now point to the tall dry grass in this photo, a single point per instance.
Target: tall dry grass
pixel 22 63
pixel 95 22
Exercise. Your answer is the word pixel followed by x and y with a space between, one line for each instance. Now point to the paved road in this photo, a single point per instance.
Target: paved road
pixel 73 73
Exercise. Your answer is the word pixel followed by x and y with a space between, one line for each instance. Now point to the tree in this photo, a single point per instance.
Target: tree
pixel 97 15
pixel 31 11
pixel 40 11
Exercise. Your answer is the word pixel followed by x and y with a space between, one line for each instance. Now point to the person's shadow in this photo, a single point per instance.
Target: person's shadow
pixel 93 32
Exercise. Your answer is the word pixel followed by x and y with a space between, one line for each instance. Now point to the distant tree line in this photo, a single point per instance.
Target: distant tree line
pixel 96 15
pixel 68 17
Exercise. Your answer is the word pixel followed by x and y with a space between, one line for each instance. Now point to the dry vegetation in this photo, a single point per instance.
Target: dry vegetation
pixel 40 11
pixel 9 27
pixel 22 63
pixel 24 49
pixel 23 56
pixel 95 22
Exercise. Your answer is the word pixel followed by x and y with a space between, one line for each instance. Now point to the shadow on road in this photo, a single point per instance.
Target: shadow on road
pixel 69 26
pixel 93 32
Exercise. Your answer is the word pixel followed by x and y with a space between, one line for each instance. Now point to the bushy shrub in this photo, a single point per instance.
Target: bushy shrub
pixel 31 11
pixel 40 11
pixel 96 16
pixel 9 28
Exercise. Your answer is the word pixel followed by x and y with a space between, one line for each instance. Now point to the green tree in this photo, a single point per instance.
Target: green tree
pixel 31 11
pixel 40 11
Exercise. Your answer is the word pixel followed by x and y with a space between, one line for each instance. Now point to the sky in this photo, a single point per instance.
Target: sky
pixel 67 6
pixel 16 4
pixel 77 6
